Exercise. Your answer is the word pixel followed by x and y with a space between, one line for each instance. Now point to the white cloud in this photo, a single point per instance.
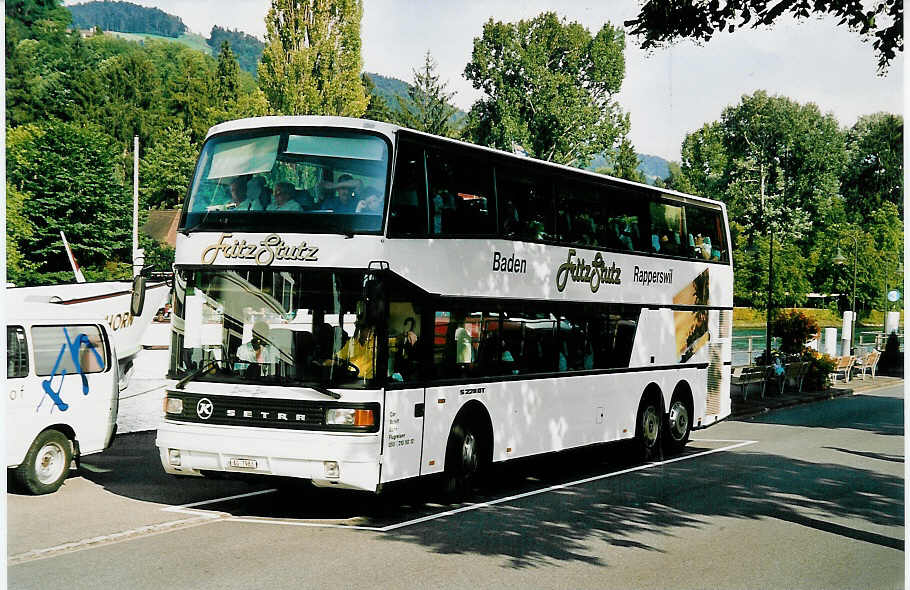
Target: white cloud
pixel 668 93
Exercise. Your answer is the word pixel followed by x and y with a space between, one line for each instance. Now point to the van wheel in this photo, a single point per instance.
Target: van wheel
pixel 647 429
pixel 677 427
pixel 46 464
pixel 463 461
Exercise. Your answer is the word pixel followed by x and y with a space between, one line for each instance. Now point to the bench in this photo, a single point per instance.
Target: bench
pixel 869 361
pixel 745 376
pixel 842 364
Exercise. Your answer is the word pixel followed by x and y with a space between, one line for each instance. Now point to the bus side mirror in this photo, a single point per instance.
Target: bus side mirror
pixel 138 300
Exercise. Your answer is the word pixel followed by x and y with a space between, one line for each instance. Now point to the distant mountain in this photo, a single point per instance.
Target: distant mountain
pixel 653 167
pixel 126 17
pixel 247 48
pixel 389 88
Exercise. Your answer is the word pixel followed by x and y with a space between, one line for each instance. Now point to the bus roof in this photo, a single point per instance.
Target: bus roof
pixel 390 130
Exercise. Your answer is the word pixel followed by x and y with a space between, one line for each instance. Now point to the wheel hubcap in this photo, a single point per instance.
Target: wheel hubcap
pixel 650 426
pixel 679 421
pixel 469 453
pixel 49 464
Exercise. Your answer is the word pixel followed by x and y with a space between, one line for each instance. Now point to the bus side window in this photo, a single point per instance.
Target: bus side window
pixel 460 195
pixel 706 237
pixel 16 353
pixel 408 211
pixel 525 205
pixel 404 338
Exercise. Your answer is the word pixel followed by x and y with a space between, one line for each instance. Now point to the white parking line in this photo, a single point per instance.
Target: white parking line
pixel 199 517
pixel 187 509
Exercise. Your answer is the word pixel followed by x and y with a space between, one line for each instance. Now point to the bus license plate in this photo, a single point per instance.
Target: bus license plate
pixel 243 463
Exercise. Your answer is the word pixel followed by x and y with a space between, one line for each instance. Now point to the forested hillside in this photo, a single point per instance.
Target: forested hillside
pixel 73 105
pixel 126 18
pixel 247 48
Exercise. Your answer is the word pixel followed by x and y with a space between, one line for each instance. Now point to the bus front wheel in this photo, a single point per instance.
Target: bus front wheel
pixel 46 464
pixel 463 460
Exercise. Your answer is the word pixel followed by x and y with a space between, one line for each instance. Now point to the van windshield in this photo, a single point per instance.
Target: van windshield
pixel 326 181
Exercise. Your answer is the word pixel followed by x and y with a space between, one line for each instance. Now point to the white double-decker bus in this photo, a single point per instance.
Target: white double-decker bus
pixel 358 303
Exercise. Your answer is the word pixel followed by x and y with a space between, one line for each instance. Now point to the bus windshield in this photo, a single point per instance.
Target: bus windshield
pixel 276 327
pixel 325 181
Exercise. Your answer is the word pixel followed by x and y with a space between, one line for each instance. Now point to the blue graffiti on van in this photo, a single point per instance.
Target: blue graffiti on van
pixel 74 347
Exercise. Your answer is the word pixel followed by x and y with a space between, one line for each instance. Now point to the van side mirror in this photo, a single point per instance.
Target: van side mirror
pixel 138 299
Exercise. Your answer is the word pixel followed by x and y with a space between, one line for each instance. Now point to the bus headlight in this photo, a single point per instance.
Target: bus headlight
pixel 173 405
pixel 349 417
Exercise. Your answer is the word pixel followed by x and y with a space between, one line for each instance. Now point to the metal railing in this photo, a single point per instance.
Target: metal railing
pixel 747 348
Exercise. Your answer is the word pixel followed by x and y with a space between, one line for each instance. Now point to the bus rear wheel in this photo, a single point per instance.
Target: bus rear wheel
pixel 46 464
pixel 463 461
pixel 648 428
pixel 677 427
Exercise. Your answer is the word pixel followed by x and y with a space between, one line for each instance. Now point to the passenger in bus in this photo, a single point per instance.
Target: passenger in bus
pixel 257 194
pixel 371 204
pixel 284 198
pixel 463 348
pixel 346 196
pixel 406 353
pixel 256 351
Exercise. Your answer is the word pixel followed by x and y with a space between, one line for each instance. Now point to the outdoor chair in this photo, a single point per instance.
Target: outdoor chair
pixel 745 376
pixel 794 373
pixel 843 365
pixel 869 362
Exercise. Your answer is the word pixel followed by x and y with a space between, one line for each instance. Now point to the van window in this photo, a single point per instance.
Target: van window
pixel 71 348
pixel 16 352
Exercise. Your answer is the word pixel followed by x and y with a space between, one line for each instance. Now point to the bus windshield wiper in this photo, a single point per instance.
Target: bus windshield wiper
pixel 205 367
pixel 324 390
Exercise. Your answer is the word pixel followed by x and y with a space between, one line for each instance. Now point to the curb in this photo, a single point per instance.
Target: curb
pixel 808 399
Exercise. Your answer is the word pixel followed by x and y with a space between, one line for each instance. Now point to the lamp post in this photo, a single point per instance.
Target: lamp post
pixel 840 260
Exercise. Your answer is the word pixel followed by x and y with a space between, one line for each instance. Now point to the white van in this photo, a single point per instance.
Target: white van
pixel 62 385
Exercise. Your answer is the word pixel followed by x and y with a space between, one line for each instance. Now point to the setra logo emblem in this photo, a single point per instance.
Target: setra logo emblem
pixel 205 408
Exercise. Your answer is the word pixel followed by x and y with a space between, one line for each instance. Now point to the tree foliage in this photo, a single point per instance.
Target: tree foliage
pixel 661 22
pixel 428 105
pixel 74 180
pixel 874 171
pixel 166 169
pixel 227 78
pixel 549 88
pixel 311 63
pixel 247 48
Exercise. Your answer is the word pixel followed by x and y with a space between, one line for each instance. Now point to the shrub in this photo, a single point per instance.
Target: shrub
pixel 795 329
pixel 818 378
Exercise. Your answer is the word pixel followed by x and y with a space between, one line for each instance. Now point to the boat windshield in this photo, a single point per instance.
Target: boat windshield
pixel 325 181
pixel 294 327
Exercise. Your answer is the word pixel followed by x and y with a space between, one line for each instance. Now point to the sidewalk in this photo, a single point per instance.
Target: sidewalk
pixel 773 400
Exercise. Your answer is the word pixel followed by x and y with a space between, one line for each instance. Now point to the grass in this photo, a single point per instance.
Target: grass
pixel 746 317
pixel 191 40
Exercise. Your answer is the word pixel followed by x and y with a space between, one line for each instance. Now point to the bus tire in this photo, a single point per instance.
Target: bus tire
pixel 46 464
pixel 677 425
pixel 648 427
pixel 463 460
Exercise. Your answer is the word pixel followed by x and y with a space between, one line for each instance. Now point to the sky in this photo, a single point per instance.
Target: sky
pixel 668 92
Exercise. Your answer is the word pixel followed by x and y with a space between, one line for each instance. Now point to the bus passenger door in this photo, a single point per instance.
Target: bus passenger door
pixel 402 433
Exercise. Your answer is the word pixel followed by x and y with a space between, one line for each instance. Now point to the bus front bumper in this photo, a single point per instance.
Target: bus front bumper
pixel 342 460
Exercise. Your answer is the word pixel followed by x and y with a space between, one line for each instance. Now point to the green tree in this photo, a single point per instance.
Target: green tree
pixel 166 168
pixel 874 173
pixel 548 88
pixel 73 176
pixel 428 106
pixel 660 23
pixel 776 164
pixel 311 63
pixel 227 78
pixel 377 108
pixel 18 232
